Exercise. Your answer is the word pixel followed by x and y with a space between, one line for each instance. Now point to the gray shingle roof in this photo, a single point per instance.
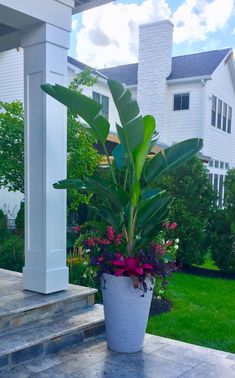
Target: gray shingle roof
pixel 83 66
pixel 184 66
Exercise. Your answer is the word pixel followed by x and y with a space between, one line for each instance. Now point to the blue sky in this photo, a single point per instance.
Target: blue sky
pixel 108 35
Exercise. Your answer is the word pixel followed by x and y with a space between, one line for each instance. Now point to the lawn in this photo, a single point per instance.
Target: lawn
pixel 203 312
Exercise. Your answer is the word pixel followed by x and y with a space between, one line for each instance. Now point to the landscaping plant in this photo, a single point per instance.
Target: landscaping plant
pixel 131 209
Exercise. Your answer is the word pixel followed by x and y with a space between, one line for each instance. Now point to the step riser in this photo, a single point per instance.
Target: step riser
pixel 46 311
pixel 51 346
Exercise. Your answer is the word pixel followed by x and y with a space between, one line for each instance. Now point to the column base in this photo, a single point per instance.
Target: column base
pixel 45 282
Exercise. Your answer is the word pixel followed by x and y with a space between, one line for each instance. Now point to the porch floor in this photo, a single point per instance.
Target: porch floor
pixel 161 357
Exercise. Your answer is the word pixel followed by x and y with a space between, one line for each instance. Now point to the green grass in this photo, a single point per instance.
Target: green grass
pixel 203 312
pixel 208 263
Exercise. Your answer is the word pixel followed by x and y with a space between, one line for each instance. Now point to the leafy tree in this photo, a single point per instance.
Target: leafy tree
pixel 12 146
pixel 82 157
pixel 193 199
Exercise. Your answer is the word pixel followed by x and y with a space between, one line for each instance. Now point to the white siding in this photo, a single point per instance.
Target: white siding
pixel 11 75
pixel 184 124
pixel 219 144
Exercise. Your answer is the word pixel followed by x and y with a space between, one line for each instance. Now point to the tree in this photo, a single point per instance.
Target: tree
pixel 12 146
pixel 82 157
pixel 193 199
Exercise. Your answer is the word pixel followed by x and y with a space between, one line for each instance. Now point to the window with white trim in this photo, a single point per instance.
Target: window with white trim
pixel 224 117
pixel 213 111
pixel 104 101
pixel 219 113
pixel 229 119
pixel 181 101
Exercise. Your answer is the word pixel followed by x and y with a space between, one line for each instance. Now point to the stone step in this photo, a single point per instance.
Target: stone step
pixel 20 307
pixel 49 335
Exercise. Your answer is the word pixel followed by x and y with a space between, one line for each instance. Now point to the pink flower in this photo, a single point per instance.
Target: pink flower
pixel 173 226
pixel 110 233
pixel 76 229
pixel 118 239
pixel 169 243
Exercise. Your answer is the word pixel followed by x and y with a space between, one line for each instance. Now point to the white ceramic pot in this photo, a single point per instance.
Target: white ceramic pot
pixel 126 313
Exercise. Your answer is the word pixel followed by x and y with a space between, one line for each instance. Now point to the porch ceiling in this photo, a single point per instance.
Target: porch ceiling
pixel 5 29
pixel 82 5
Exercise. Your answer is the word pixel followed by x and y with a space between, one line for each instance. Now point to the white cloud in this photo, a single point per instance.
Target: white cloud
pixel 74 25
pixel 195 18
pixel 109 34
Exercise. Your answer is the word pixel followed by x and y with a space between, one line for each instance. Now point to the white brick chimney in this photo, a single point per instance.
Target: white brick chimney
pixel 155 55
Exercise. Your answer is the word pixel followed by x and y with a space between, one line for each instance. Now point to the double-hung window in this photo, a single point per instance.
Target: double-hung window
pixel 104 101
pixel 213 110
pixel 229 119
pixel 219 113
pixel 181 101
pixel 225 117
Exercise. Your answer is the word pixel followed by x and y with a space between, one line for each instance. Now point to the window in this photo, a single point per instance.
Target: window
pixel 211 163
pixel 216 181
pixel 226 165
pixel 219 114
pixel 224 117
pixel 221 165
pixel 211 178
pixel 103 100
pixel 229 119
pixel 221 187
pixel 216 164
pixel 213 110
pixel 181 101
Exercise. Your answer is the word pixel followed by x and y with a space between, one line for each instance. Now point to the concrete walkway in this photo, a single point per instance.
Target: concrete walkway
pixel 160 358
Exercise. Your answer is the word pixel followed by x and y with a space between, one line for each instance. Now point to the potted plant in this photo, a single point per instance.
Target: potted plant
pixel 133 208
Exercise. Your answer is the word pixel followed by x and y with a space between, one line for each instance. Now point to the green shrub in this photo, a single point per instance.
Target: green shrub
pixel 12 253
pixel 222 240
pixel 3 226
pixel 193 199
pixel 19 222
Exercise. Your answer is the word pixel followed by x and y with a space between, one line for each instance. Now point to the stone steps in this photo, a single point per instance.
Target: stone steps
pixel 49 335
pixel 33 324
pixel 20 307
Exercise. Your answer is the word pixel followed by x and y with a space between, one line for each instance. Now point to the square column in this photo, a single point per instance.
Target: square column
pixel 45 61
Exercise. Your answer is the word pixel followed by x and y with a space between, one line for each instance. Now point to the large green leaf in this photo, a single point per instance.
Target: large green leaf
pixel 116 196
pixel 132 130
pixel 152 209
pixel 120 157
pixel 141 152
pixel 171 158
pixel 108 216
pixel 85 107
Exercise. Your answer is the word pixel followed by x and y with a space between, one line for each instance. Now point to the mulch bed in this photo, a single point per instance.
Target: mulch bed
pixel 206 272
pixel 159 306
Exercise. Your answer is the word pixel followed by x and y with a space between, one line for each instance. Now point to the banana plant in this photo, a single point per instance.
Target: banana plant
pixel 133 208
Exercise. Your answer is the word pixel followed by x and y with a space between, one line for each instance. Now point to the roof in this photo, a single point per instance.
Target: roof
pixel 127 74
pixel 185 66
pixel 83 66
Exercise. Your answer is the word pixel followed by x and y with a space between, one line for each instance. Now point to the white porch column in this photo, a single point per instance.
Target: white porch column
pixel 45 61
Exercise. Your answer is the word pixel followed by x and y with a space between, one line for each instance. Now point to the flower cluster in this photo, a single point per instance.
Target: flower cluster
pixel 107 253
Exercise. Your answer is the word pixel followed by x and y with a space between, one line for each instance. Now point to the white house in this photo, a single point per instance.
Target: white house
pixel 190 96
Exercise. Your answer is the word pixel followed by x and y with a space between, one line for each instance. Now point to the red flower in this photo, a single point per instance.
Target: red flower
pixel 169 243
pixel 131 266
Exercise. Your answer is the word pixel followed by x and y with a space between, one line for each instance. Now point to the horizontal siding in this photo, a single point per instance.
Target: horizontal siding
pixel 217 143
pixel 184 124
pixel 11 75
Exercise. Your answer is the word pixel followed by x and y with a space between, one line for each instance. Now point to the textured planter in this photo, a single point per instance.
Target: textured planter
pixel 126 313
